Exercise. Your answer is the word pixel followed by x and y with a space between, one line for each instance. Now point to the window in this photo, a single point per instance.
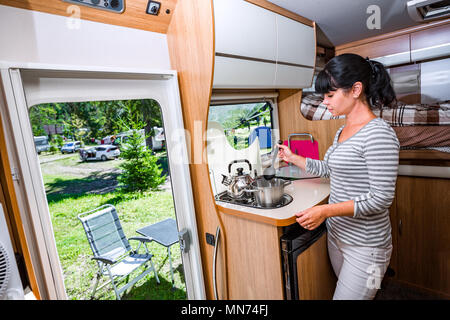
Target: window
pixel 243 122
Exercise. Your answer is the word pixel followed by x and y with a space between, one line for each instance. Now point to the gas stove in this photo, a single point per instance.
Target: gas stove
pixel 250 200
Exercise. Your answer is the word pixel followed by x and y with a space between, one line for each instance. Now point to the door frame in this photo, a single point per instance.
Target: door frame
pixel 25 85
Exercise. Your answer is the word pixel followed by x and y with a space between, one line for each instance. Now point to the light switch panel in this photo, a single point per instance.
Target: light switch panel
pixel 153 7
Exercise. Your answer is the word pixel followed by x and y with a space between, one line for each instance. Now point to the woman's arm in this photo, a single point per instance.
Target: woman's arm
pixel 313 166
pixel 313 217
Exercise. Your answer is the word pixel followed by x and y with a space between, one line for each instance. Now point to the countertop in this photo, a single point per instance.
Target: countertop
pixel 306 193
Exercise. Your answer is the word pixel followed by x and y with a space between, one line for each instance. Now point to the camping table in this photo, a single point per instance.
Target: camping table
pixel 165 233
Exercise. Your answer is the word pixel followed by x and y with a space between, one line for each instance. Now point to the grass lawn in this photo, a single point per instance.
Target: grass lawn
pixel 70 193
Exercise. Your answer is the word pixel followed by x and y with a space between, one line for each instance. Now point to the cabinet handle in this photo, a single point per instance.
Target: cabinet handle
pixel 216 243
pixel 400 227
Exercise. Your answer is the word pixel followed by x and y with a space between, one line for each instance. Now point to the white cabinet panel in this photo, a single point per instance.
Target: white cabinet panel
pixel 239 73
pixel 244 29
pixel 296 42
pixel 293 77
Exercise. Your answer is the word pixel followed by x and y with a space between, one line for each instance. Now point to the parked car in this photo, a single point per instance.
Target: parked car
pixel 41 143
pixel 103 152
pixel 71 147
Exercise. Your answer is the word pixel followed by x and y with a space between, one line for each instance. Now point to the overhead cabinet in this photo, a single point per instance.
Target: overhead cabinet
pixel 414 46
pixel 258 48
pixel 430 43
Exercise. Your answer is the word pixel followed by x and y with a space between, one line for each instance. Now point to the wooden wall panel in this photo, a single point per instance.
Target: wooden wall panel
pixel 134 15
pixel 292 121
pixel 191 47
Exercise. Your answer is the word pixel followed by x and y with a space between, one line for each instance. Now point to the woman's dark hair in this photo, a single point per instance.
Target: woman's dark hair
pixel 344 70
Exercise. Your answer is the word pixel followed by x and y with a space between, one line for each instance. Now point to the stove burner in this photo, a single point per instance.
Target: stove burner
pixel 250 201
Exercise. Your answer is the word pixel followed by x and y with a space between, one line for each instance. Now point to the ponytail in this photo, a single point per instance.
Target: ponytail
pixel 379 92
pixel 344 70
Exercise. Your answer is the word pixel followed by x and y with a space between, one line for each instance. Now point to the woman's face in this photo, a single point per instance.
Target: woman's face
pixel 338 102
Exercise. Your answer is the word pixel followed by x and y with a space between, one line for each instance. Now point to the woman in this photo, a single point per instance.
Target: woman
pixel 362 165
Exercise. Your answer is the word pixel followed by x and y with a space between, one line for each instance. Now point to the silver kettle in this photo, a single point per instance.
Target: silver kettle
pixel 236 184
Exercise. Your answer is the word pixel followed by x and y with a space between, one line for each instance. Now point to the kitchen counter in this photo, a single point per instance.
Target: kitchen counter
pixel 306 193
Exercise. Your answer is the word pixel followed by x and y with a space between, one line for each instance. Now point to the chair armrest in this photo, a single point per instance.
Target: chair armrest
pixel 103 259
pixel 141 239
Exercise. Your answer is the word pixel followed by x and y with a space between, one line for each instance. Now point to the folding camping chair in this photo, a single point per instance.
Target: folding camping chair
pixel 112 251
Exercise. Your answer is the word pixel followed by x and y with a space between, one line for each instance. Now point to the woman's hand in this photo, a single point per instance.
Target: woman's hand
pixel 311 218
pixel 285 154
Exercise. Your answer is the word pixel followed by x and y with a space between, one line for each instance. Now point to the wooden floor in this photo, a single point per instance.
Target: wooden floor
pixel 395 290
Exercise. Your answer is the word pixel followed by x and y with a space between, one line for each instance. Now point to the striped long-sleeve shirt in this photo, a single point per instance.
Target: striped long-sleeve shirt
pixel 362 168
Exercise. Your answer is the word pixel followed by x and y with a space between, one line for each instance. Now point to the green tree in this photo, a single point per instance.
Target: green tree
pixel 140 171
pixel 147 111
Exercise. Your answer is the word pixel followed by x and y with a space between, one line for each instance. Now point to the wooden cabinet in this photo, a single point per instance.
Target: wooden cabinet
pixel 427 41
pixel 421 235
pixel 253 262
pixel 314 268
pixel 430 43
pixel 254 265
pixel 379 48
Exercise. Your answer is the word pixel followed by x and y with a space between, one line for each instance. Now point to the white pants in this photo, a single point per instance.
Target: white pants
pixel 359 269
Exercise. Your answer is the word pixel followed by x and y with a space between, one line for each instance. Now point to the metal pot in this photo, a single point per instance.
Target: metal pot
pixel 268 193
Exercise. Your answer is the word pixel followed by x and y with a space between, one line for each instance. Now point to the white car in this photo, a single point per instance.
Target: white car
pixel 103 152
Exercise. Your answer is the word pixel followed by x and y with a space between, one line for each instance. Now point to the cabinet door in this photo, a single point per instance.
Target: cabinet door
pixel 240 73
pixel 293 77
pixel 296 42
pixel 316 278
pixel 244 29
pixel 389 51
pixel 253 259
pixel 423 232
pixel 430 43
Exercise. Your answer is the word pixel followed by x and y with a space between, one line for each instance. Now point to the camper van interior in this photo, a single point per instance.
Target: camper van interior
pixel 233 80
